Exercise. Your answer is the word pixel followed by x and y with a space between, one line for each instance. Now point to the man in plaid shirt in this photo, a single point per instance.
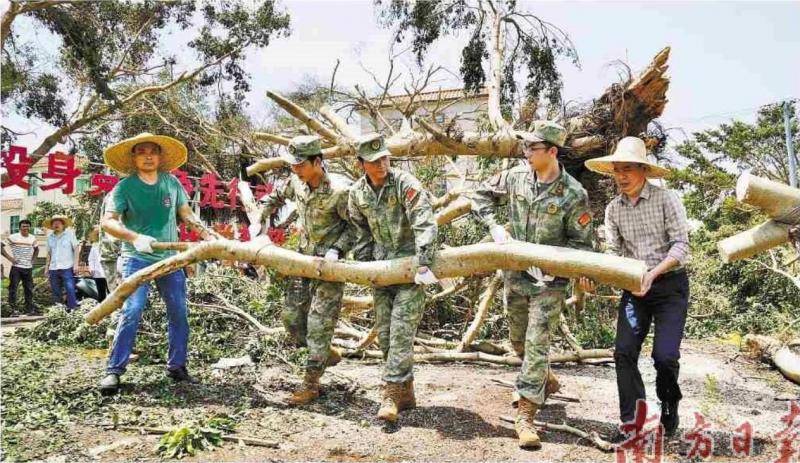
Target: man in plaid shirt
pixel 648 223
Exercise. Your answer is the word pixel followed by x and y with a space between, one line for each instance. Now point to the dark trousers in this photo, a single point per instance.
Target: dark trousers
pixel 24 275
pixel 63 281
pixel 665 306
pixel 102 288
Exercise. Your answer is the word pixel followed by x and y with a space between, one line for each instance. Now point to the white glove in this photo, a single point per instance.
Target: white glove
pixel 332 255
pixel 425 278
pixel 540 277
pixel 499 233
pixel 142 243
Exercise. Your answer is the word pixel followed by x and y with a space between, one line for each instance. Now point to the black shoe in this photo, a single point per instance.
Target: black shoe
pixel 181 374
pixel 109 385
pixel 669 417
pixel 617 437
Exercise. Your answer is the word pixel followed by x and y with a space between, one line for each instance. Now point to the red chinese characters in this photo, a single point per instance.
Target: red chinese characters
pixel 788 438
pixel 102 183
pixel 16 162
pixel 699 438
pixel 61 167
pixel 640 441
pixel 186 183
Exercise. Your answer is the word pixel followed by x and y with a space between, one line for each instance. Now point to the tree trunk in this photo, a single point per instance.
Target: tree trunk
pixel 772 351
pixel 460 261
pixel 780 202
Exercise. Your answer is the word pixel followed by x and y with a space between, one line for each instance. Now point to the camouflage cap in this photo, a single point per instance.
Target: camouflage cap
pixel 301 148
pixel 547 131
pixel 372 147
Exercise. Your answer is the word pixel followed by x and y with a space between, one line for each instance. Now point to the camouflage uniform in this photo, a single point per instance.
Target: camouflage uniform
pixel 396 221
pixel 312 306
pixel 555 214
pixel 110 249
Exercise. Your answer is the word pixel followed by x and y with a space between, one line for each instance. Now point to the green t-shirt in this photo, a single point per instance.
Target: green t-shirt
pixel 150 210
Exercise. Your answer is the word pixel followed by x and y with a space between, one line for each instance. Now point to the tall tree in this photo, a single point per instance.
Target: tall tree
pixel 112 54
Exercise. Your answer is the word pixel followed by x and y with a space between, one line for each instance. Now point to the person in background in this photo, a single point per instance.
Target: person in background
pixel 96 269
pixel 23 254
pixel 62 253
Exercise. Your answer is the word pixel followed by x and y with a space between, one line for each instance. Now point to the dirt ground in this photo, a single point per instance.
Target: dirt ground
pixel 458 414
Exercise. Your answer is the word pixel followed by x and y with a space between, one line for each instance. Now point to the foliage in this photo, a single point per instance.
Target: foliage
pixel 742 296
pixel 81 215
pixel 532 45
pixel 187 439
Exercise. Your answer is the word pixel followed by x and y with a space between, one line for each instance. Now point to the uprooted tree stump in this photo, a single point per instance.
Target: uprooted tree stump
pixel 780 202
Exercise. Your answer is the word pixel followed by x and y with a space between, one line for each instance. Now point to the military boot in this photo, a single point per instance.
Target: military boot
pixel 392 397
pixel 408 400
pixel 334 357
pixel 551 387
pixel 309 391
pixel 526 431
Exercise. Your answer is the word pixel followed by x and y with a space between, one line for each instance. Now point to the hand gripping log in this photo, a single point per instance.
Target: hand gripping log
pixel 453 262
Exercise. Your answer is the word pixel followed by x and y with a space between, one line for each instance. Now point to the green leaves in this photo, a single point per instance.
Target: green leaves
pixel 188 440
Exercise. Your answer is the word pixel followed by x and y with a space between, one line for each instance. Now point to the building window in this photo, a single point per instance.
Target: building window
pixel 14 223
pixel 33 188
pixel 82 185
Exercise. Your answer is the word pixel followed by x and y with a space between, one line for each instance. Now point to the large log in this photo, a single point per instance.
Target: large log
pixel 780 202
pixel 460 261
pixel 773 351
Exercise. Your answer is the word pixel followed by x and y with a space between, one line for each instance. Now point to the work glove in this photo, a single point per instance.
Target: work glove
pixel 332 255
pixel 425 276
pixel 143 243
pixel 540 277
pixel 499 234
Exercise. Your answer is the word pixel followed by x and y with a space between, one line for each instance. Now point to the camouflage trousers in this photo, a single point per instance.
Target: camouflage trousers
pixel 533 312
pixel 310 312
pixel 398 310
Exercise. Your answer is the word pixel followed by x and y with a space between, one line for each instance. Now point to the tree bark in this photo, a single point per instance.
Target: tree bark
pixel 780 202
pixel 772 351
pixel 480 357
pixel 460 261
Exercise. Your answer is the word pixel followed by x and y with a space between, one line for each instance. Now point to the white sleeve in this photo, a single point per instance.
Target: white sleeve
pixel 94 263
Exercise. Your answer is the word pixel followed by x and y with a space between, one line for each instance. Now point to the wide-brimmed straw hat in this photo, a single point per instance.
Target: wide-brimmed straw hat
pixel 120 156
pixel 629 149
pixel 48 224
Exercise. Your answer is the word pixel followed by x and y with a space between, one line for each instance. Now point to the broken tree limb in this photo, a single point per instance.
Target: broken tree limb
pixel 483 308
pixel 301 114
pixel 772 351
pixel 780 202
pixel 338 122
pixel 480 357
pixel 459 261
pixel 270 137
pixel 454 210
pixel 591 436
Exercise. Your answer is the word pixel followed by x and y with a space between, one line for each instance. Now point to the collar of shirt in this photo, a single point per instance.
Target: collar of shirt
pixel 323 187
pixel 644 194
pixel 556 186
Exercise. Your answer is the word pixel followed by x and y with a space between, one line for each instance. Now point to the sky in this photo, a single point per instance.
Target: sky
pixel 727 58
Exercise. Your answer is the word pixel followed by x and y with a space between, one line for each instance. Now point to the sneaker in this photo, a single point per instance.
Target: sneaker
pixel 181 374
pixel 109 385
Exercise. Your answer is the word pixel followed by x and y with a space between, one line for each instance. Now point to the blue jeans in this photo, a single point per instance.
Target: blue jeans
pixel 60 281
pixel 172 289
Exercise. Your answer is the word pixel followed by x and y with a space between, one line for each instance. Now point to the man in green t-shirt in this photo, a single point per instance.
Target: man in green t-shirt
pixel 144 209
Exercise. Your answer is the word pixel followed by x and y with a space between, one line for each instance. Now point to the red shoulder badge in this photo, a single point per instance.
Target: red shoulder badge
pixel 411 194
pixel 584 219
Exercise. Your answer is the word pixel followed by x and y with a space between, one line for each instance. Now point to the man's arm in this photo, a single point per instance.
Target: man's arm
pixel 363 242
pixel 7 255
pixel 579 226
pixel 186 214
pixel 345 240
pixel 486 198
pixel 420 215
pixel 612 236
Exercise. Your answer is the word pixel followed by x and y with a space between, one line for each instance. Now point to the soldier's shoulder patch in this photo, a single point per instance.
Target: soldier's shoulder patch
pixel 584 219
pixel 411 193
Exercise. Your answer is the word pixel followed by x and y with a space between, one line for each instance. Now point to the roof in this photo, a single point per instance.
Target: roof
pixel 432 96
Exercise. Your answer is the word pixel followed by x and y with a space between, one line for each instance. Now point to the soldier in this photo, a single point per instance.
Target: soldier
pixel 393 219
pixel 545 206
pixel 312 306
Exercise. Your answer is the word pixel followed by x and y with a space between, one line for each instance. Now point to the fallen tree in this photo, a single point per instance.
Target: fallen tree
pixel 460 261
pixel 784 356
pixel 780 202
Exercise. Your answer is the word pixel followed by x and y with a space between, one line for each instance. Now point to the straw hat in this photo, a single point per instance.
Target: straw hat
pixel 120 156
pixel 629 149
pixel 48 224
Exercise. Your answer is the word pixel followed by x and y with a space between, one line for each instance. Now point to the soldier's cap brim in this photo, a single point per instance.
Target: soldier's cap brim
pixel 374 156
pixel 291 159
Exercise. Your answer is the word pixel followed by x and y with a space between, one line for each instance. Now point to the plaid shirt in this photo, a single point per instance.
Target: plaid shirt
pixel 651 230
